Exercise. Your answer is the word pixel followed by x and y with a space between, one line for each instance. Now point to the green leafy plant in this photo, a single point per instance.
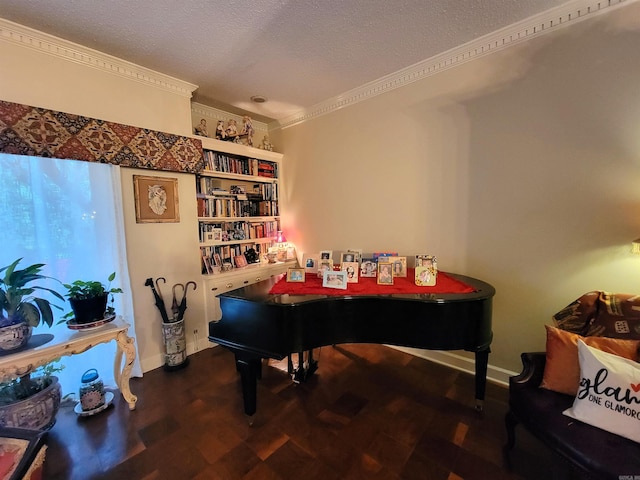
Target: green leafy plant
pixel 17 302
pixel 24 387
pixel 82 290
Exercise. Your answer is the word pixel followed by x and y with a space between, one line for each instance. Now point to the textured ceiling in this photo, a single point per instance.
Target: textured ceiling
pixel 295 53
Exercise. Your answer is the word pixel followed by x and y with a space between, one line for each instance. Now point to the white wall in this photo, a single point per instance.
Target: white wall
pixel 520 168
pixel 32 77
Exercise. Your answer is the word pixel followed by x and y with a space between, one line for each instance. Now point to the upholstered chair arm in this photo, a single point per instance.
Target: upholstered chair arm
pixel 532 371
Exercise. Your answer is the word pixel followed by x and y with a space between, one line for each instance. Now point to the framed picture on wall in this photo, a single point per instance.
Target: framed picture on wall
pixel 156 199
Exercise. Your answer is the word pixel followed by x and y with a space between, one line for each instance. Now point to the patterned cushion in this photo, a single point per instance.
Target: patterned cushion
pixel 614 315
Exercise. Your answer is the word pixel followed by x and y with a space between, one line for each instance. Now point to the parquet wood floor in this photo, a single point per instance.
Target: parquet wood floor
pixel 369 412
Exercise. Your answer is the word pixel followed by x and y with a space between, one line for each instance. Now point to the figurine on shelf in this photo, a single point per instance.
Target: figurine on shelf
pixel 232 128
pixel 266 144
pixel 220 133
pixel 247 129
pixel 202 128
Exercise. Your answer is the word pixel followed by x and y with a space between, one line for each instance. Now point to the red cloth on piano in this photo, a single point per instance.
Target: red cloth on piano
pixel 369 286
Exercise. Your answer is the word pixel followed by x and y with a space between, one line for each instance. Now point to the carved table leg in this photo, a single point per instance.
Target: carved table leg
pixel 126 346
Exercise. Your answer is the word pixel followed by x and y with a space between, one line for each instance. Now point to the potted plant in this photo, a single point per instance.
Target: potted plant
pixel 88 300
pixel 31 401
pixel 20 310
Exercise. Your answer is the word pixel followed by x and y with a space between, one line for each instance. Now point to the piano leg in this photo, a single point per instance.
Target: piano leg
pixel 305 369
pixel 482 360
pixel 250 369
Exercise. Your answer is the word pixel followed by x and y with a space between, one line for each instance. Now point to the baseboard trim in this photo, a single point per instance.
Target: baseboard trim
pixel 497 375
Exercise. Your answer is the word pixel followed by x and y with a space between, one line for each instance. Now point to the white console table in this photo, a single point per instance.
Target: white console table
pixel 72 342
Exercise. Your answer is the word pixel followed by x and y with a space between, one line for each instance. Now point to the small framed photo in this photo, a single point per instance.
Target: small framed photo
pixel 156 199
pixel 348 257
pixel 352 269
pixel 216 234
pixel 310 262
pixel 217 261
pixel 326 254
pixel 295 275
pixel 208 236
pixel 324 266
pixel 368 267
pixel 331 279
pixel 399 266
pixel 357 252
pixel 240 260
pixel 426 272
pixel 385 273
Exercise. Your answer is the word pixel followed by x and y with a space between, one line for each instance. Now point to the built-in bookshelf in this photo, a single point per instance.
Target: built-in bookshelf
pixel 238 205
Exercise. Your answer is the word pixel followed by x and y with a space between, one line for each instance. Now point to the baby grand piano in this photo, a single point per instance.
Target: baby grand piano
pixel 256 324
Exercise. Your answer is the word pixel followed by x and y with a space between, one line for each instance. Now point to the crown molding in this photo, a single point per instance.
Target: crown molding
pixel 535 26
pixel 72 52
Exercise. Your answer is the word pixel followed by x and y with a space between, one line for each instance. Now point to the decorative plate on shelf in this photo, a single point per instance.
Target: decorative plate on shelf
pixel 73 325
pixel 108 398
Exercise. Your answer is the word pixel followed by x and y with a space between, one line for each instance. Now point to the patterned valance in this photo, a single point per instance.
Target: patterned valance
pixel 26 130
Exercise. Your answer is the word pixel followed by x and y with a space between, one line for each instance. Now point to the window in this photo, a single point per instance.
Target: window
pixel 68 215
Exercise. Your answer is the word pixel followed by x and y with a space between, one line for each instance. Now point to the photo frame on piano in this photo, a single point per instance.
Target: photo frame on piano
pixel 295 275
pixel 326 254
pixel 385 273
pixel 334 279
pixel 310 262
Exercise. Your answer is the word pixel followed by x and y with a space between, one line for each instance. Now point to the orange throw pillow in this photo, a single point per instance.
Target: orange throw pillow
pixel 562 368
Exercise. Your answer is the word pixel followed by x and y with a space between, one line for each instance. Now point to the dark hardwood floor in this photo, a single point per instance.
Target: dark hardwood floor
pixel 369 412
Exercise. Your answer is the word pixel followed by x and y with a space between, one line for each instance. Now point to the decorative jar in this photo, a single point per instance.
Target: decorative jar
pixel 92 393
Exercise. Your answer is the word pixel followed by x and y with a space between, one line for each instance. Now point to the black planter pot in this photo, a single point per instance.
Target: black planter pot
pixel 87 310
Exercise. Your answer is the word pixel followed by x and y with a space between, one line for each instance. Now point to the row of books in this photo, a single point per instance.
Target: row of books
pixel 211 186
pixel 219 162
pixel 230 207
pixel 228 231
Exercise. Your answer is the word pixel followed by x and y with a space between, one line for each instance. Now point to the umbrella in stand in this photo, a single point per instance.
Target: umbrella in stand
pixel 159 300
pixel 183 303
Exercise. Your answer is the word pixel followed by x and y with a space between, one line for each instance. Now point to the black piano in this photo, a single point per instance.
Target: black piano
pixel 257 325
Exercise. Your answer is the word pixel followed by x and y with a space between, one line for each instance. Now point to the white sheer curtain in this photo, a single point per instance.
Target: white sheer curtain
pixel 68 215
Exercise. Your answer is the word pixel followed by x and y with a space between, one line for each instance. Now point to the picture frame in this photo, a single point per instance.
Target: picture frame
pixel 208 236
pixel 357 251
pixel 217 261
pixel 334 279
pixel 240 261
pixel 352 269
pixel 348 257
pixel 310 262
pixel 385 273
pixel 216 234
pixel 368 267
pixel 296 275
pixel 399 266
pixel 326 254
pixel 324 266
pixel 156 199
pixel 426 271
